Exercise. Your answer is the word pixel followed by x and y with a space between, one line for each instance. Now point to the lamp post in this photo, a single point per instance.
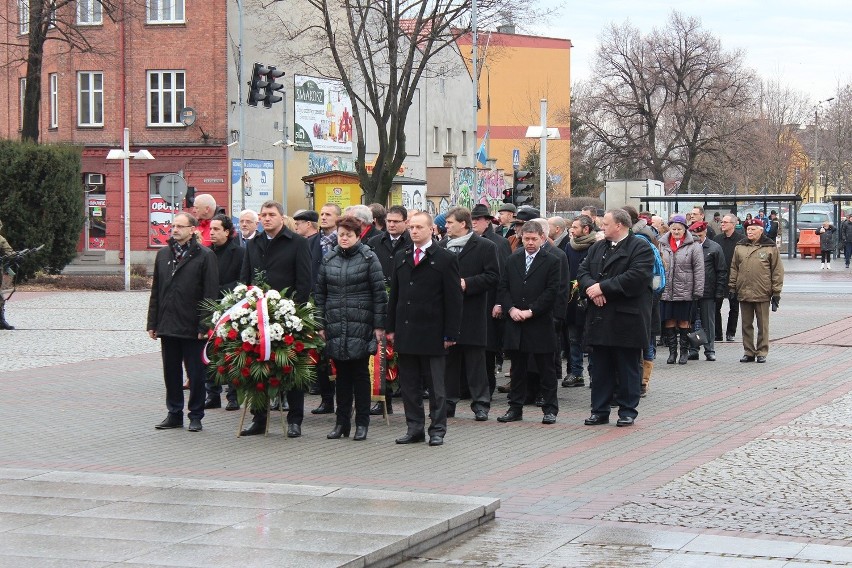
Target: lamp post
pixel 816 145
pixel 125 154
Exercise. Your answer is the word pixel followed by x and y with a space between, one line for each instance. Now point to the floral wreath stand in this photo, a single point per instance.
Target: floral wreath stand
pixel 379 378
pixel 269 411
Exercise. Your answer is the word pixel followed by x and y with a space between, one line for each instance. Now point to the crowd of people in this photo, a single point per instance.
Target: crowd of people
pixel 456 293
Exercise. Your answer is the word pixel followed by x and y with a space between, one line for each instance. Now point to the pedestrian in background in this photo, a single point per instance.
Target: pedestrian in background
pixel 5 249
pixel 757 276
pixel 185 274
pixel 846 238
pixel 827 243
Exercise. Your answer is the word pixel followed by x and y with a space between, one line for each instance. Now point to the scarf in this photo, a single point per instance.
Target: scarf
pixel 584 242
pixel 557 242
pixel 457 244
pixel 674 244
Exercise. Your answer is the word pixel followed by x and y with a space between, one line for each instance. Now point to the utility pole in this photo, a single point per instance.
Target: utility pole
pixel 542 169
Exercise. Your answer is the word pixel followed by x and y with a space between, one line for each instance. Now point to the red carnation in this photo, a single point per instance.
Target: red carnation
pixel 289 339
pixel 217 342
pixel 220 369
pixel 209 333
pixel 247 347
pixel 260 386
pixel 313 356
pixel 299 347
pixel 287 369
pixel 257 348
pixel 274 382
pixel 392 374
pixel 389 351
pixel 245 371
pixel 235 382
pixel 232 334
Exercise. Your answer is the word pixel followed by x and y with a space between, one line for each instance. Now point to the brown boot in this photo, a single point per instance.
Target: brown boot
pixel 647 367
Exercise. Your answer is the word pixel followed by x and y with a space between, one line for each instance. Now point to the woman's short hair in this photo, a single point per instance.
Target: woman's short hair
pixel 350 223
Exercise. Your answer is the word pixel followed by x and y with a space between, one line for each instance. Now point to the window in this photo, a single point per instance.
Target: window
pixel 166 97
pixel 53 85
pixel 89 12
pixel 449 140
pixel 22 86
pixel 24 16
pixel 464 143
pixel 435 139
pixel 90 98
pixel 165 11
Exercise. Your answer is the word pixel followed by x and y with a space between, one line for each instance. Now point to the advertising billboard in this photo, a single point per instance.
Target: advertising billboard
pixel 323 115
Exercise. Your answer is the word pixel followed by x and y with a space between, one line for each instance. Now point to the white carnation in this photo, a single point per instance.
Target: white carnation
pixel 217 316
pixel 235 324
pixel 222 332
pixel 273 295
pixel 276 332
pixel 240 289
pixel 249 336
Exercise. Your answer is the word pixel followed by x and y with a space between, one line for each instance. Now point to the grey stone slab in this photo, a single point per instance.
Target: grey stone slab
pixel 384 507
pixel 274 488
pixel 826 553
pixel 714 561
pixel 73 547
pixel 589 556
pixel 746 546
pixel 625 536
pixel 109 479
pixel 10 521
pixel 346 522
pixel 136 529
pixel 18 473
pixel 30 562
pixel 227 556
pixel 53 505
pixel 204 514
pixel 220 498
pixel 72 490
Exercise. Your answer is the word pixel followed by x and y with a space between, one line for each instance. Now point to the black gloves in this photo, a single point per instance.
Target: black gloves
pixel 776 300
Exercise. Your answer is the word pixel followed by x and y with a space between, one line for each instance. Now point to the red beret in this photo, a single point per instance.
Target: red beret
pixel 698 226
pixel 754 221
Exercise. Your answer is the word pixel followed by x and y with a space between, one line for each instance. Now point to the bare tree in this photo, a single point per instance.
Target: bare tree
pixel 48 21
pixel 836 141
pixel 661 102
pixel 381 51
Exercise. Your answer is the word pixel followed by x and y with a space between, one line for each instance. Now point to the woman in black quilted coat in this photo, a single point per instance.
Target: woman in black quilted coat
pixel 352 301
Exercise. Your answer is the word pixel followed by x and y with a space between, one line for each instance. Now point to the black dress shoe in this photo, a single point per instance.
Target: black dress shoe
pixel 324 408
pixel 360 433
pixel 761 359
pixel 510 416
pixel 747 359
pixel 410 438
pixel 596 420
pixel 255 429
pixel 314 390
pixel 376 409
pixel 503 388
pixel 338 432
pixel 169 423
pixel 693 356
pixel 729 338
pixel 294 430
pixel 548 419
pixel 232 405
pixel 480 415
pixel 710 357
pixel 194 425
pixel 624 421
pixel 213 402
pixel 436 440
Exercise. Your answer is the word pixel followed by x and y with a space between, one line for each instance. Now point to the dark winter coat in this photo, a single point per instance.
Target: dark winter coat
pixel 503 253
pixel 846 232
pixel 715 270
pixel 229 259
pixel 573 314
pixel 535 290
pixel 425 304
pixel 827 238
pixel 315 248
pixel 684 269
pixel 177 291
pixel 624 275
pixel 728 244
pixel 560 304
pixel 385 249
pixel 285 262
pixel 352 301
pixel 480 270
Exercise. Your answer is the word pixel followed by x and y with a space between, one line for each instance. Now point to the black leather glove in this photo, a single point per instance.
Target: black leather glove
pixel 776 300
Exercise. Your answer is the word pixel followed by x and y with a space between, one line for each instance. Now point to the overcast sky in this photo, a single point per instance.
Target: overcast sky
pixel 806 45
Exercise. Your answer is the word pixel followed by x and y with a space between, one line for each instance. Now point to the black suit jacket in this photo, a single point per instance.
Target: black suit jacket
pixel 285 262
pixel 503 253
pixel 230 261
pixel 480 269
pixel 425 304
pixel 315 247
pixel 535 290
pixel 385 251
pixel 560 304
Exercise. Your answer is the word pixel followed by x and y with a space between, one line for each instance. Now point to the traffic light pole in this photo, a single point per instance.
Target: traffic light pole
pixel 240 76
pixel 542 170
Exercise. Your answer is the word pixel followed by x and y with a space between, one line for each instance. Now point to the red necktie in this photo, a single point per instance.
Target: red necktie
pixel 417 253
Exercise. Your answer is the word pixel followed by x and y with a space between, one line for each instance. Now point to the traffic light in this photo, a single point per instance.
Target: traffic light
pixel 507 195
pixel 272 87
pixel 522 188
pixel 257 85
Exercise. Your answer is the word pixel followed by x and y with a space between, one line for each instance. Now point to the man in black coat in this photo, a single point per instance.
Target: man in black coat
pixel 526 295
pixel 728 239
pixel 424 320
pixel 284 260
pixel 480 273
pixel 185 274
pixel 616 277
pixel 225 245
pixel 715 287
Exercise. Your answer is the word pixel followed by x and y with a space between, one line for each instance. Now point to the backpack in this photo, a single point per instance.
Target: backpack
pixel 658 282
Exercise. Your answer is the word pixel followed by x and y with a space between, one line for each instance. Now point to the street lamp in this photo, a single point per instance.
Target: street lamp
pixel 816 145
pixel 125 154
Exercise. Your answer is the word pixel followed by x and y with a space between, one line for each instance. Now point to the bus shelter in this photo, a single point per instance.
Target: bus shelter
pixel 732 202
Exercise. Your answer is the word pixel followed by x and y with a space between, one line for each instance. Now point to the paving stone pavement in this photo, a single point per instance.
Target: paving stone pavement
pixel 728 464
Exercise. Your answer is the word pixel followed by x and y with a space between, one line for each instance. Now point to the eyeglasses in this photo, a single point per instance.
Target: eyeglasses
pixel 182 227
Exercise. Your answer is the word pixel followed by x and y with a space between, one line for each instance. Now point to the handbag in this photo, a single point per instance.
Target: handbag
pixel 697 337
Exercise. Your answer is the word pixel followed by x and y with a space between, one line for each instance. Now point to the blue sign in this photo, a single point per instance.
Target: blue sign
pixel 516 158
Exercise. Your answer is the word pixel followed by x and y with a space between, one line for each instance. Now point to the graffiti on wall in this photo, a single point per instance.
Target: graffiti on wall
pixel 474 186
pixel 319 164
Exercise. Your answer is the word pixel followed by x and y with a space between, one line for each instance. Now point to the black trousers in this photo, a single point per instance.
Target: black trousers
pixel 472 359
pixel 177 352
pixel 617 372
pixel 296 401
pixel 491 370
pixel 547 381
pixel 733 318
pixel 326 386
pixel 417 372
pixel 353 381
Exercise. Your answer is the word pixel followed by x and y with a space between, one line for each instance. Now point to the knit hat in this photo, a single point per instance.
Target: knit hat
pixel 441 221
pixel 679 219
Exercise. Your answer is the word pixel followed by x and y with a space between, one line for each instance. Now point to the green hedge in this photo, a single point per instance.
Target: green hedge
pixel 41 202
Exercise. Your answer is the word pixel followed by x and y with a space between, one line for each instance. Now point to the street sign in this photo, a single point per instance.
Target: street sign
pixel 172 188
pixel 516 158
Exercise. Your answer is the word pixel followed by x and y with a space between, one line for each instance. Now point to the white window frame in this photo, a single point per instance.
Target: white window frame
pixel 166 11
pixel 22 92
pixel 464 143
pixel 23 17
pixel 435 142
pixel 176 95
pixel 449 141
pixel 53 99
pixel 94 95
pixel 90 13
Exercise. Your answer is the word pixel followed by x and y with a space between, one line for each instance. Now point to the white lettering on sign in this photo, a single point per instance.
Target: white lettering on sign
pixel 162 206
pixel 214 180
